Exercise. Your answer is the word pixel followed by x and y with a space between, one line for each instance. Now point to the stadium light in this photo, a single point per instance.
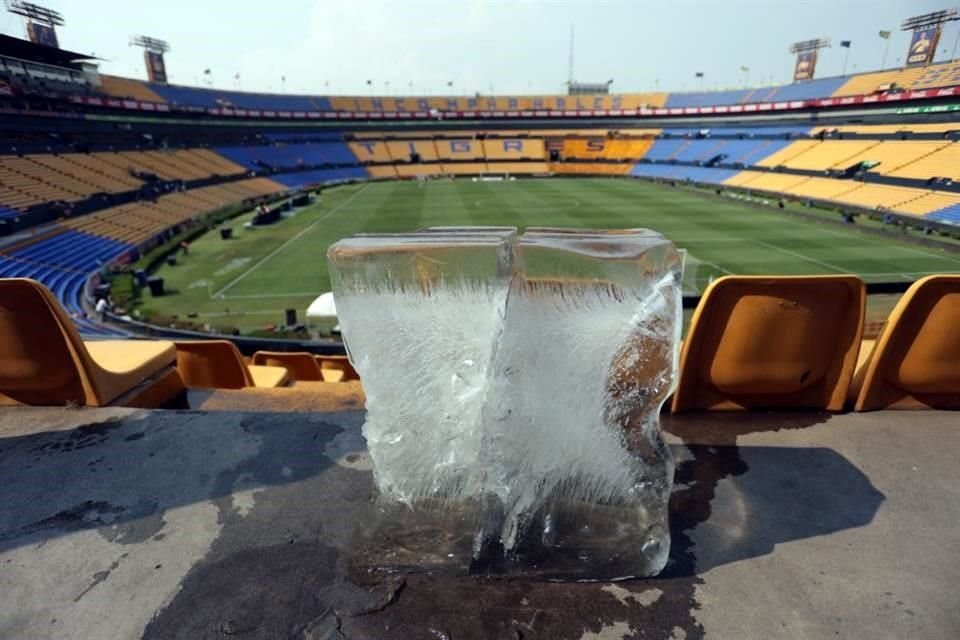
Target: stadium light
pixel 930 20
pixel 35 12
pixel 809 45
pixel 150 44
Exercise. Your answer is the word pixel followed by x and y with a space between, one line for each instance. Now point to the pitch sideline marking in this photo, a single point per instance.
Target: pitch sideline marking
pixel 259 263
pixel 832 267
pixel 895 242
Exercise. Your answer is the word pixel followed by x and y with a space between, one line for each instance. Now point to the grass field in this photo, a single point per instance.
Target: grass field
pixel 248 281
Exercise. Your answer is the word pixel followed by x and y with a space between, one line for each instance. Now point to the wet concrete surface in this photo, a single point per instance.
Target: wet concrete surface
pixel 235 524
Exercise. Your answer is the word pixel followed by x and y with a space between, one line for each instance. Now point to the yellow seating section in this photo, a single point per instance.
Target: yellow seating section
pixel 128 88
pixel 893 154
pixel 944 162
pixel 459 149
pixel 43 360
pixel 38 178
pixel 402 151
pixel 606 148
pixel 790 151
pixel 867 83
pixel 880 195
pixel 758 342
pixel 765 181
pixel 513 148
pixel 382 171
pixel 825 155
pixel 937 75
pixel 370 151
pixel 915 361
pixel 137 222
pixel 822 188
pixel 928 202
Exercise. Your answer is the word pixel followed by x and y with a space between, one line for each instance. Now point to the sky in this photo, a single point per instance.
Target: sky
pixel 518 47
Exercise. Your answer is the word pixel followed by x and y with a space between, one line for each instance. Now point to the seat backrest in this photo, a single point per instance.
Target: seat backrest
pixel 301 365
pixel 916 358
pixel 212 364
pixel 778 342
pixel 337 369
pixel 42 358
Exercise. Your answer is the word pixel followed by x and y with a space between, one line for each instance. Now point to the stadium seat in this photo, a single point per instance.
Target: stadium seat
pixel 336 369
pixel 43 360
pixel 778 342
pixel 915 362
pixel 217 364
pixel 301 365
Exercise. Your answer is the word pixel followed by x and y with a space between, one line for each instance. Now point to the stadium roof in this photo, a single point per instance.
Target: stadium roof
pixel 26 50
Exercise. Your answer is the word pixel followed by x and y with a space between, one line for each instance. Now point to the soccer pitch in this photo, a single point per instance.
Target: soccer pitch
pixel 248 281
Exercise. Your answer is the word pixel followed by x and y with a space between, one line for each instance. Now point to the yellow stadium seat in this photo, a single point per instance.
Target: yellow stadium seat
pixel 915 362
pixel 336 369
pixel 301 365
pixel 217 364
pixel 777 342
pixel 43 360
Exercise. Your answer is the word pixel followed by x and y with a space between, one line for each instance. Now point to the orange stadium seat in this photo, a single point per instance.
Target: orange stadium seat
pixel 915 361
pixel 301 365
pixel 778 342
pixel 217 364
pixel 43 360
pixel 336 369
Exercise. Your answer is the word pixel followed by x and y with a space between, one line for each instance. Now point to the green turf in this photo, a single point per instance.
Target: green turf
pixel 248 281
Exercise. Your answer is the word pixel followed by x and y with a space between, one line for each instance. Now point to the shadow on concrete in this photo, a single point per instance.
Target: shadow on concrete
pixel 119 476
pixel 739 502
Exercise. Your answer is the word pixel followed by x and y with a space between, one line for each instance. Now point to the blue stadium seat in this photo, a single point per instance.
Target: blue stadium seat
pixel 290 155
pixel 197 97
pixel 807 90
pixel 947 214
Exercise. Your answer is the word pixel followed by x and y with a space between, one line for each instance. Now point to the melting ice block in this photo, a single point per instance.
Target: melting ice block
pixel 513 390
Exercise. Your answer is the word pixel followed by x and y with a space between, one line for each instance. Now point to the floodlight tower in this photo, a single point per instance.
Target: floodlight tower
pixel 41 22
pixel 926 35
pixel 806 52
pixel 153 50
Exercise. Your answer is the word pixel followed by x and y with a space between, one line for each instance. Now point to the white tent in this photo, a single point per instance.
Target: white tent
pixel 322 313
pixel 323 307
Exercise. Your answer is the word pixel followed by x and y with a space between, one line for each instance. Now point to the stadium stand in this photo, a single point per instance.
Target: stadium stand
pixel 293 155
pixel 406 151
pixel 128 88
pixel 373 151
pixel 786 342
pixel 915 361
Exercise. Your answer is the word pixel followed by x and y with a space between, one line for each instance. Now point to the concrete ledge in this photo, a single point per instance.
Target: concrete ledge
pixel 193 524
